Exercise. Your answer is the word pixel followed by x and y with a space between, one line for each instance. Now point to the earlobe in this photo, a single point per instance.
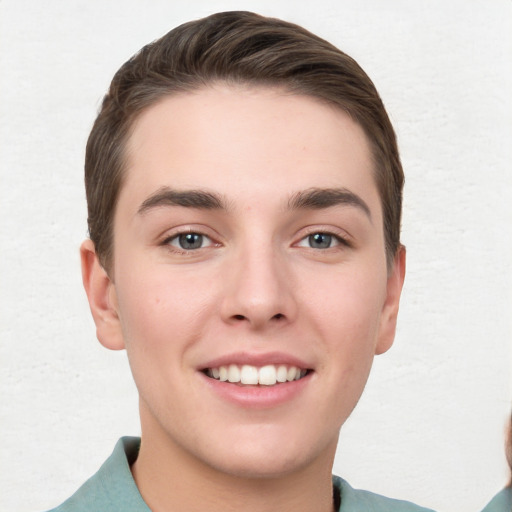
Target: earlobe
pixel 102 298
pixel 390 310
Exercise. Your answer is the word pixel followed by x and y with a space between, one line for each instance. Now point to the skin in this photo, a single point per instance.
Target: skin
pixel 258 286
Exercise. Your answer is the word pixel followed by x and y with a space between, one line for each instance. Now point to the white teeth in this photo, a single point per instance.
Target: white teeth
pixel 267 375
pixel 249 374
pixel 292 372
pixel 281 373
pixel 233 373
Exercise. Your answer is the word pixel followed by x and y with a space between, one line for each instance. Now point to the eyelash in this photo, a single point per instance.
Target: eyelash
pixel 336 237
pixel 168 242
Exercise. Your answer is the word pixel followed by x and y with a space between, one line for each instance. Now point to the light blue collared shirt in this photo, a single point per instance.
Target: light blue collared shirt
pixel 113 489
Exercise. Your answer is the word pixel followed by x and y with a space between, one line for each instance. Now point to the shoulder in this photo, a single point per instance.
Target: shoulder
pixel 502 502
pixel 112 488
pixel 356 500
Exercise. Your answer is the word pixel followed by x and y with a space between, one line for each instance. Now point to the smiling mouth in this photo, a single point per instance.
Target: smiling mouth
pixel 268 375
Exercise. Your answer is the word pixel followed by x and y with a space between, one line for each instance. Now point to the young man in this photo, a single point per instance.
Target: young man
pixel 244 193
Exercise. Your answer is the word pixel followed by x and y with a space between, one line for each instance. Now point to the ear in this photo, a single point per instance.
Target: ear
pixel 390 310
pixel 101 293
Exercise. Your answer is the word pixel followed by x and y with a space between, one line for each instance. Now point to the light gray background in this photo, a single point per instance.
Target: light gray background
pixel 430 425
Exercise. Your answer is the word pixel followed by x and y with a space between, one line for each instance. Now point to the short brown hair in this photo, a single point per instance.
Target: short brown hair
pixel 238 48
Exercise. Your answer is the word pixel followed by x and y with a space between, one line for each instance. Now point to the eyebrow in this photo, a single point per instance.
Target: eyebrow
pixel 313 198
pixel 319 198
pixel 166 196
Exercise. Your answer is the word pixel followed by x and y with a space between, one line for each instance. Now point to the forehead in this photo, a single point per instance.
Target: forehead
pixel 256 139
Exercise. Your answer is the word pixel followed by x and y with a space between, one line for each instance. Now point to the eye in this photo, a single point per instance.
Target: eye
pixel 321 240
pixel 189 241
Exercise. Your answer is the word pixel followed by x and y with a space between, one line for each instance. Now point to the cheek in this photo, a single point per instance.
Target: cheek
pixel 349 320
pixel 160 320
pixel 160 311
pixel 347 306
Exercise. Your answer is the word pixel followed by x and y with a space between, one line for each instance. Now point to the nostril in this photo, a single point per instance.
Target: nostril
pixel 278 316
pixel 239 317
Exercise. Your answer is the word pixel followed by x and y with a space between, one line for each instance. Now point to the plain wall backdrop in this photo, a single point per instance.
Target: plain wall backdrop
pixel 430 425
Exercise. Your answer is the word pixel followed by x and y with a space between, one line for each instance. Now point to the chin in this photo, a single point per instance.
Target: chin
pixel 264 458
pixel 261 467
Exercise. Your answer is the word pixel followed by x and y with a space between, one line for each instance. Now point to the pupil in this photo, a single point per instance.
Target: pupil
pixel 320 241
pixel 191 241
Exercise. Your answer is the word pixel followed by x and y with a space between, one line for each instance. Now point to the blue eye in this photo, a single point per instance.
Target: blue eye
pixel 320 240
pixel 189 241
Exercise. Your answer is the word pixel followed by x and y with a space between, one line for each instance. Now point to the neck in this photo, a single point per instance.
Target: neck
pixel 170 479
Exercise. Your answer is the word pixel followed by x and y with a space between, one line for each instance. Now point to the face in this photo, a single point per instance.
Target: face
pixel 250 286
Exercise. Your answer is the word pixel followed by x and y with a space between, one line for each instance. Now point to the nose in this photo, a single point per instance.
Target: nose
pixel 258 289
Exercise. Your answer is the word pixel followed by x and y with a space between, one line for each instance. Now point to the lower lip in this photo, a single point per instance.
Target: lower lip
pixel 258 396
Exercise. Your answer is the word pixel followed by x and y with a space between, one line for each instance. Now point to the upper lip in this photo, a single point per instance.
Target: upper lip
pixel 256 359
